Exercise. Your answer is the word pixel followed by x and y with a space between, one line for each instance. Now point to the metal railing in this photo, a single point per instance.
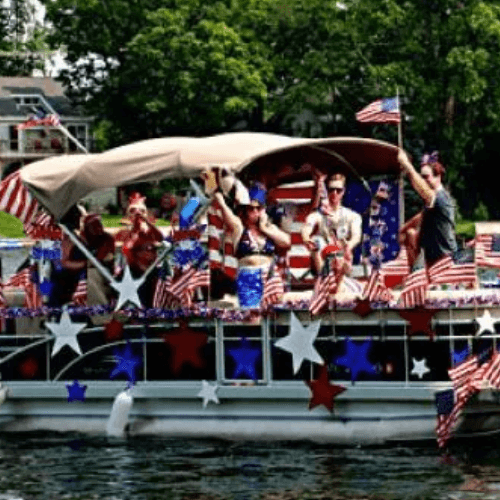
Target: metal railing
pixel 42 147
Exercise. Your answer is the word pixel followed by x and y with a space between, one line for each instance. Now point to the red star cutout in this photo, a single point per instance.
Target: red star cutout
pixel 113 330
pixel 185 344
pixel 363 307
pixel 323 393
pixel 420 320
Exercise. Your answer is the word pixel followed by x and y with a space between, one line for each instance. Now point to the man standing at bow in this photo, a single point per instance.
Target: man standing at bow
pixel 433 229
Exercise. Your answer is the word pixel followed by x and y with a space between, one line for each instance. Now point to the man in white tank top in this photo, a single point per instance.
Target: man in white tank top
pixel 334 224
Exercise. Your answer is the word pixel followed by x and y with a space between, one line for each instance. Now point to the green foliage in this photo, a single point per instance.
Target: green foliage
pixel 187 67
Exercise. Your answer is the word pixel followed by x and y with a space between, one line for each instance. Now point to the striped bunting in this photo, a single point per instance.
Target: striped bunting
pixel 16 200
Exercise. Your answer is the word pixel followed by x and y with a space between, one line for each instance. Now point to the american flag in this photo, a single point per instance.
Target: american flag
pixel 487 250
pixel 23 279
pixel 415 289
pixel 80 294
pixel 492 373
pixel 395 271
pixel 16 200
pixel 380 111
pixel 274 289
pixel 323 288
pixel 448 412
pixel 171 292
pixel 375 289
pixel 461 376
pixel 39 119
pixel 445 271
pixel 220 249
pixel 42 227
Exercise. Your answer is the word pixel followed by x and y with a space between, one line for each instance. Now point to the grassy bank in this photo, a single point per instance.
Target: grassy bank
pixel 10 227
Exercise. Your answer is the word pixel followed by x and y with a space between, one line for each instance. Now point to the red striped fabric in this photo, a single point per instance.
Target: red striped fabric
pixel 323 288
pixel 274 289
pixel 177 292
pixel 80 294
pixel 445 271
pixel 485 255
pixel 43 227
pixel 492 374
pixel 16 200
pixel 395 271
pixel 220 248
pixel 446 423
pixel 22 279
pixel 415 289
pixel 375 289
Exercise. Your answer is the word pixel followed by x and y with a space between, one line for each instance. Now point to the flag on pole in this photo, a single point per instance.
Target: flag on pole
pixel 381 111
pixel 487 250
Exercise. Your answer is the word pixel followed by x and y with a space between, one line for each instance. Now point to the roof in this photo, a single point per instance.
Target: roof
pixel 49 88
pixel 60 182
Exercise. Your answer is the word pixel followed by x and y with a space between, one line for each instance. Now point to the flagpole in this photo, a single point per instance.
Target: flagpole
pixel 70 136
pixel 400 124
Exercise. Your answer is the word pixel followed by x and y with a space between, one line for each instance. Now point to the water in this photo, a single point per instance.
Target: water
pixel 68 466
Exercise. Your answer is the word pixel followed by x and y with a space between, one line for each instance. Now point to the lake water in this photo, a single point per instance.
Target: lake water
pixel 68 466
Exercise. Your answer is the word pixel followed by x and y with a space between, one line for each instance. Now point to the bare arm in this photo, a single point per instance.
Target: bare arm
pixel 279 237
pixel 307 230
pixel 418 183
pixel 230 219
pixel 356 233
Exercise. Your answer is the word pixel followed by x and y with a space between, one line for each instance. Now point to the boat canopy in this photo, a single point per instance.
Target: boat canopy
pixel 60 182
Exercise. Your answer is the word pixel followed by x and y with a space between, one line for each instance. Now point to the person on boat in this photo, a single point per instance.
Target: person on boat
pixel 102 246
pixel 433 229
pixel 256 240
pixel 140 240
pixel 331 224
pixel 72 267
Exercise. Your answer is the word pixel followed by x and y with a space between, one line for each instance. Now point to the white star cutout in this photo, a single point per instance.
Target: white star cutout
pixel 208 393
pixel 419 368
pixel 65 333
pixel 299 342
pixel 127 289
pixel 486 323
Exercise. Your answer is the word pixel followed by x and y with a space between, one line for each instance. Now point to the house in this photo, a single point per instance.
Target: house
pixel 25 97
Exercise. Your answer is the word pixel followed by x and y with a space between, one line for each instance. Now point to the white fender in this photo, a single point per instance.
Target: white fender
pixel 4 391
pixel 118 417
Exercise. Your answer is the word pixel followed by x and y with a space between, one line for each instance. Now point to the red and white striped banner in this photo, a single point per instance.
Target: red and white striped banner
pixel 23 279
pixel 16 200
pixel 375 289
pixel 415 289
pixel 220 248
pixel 323 288
pixel 445 271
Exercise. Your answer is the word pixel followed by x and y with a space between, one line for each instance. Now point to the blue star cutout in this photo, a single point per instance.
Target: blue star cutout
pixel 245 358
pixel 458 357
pixel 355 358
pixel 127 362
pixel 76 392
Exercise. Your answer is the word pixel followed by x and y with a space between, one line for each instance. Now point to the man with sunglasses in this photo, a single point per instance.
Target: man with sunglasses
pixel 332 224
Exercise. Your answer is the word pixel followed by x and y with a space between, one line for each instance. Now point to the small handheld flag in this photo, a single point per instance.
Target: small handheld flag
pixel 381 111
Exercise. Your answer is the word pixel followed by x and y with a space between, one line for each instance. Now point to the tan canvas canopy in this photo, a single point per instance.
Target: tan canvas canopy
pixel 60 182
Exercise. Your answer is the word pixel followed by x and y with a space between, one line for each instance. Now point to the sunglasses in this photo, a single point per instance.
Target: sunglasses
pixel 335 190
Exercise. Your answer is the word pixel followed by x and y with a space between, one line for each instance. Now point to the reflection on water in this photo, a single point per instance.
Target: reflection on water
pixel 62 466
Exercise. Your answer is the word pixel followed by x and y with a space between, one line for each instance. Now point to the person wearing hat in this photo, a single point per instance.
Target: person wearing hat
pixel 333 224
pixel 255 238
pixel 433 229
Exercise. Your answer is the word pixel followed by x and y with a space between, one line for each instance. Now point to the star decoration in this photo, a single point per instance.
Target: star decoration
pixel 186 345
pixel 76 392
pixel 113 330
pixel 420 320
pixel 486 323
pixel 356 358
pixel 299 342
pixel 65 333
pixel 323 393
pixel 245 358
pixel 363 307
pixel 127 289
pixel 126 362
pixel 458 357
pixel 208 393
pixel 419 368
